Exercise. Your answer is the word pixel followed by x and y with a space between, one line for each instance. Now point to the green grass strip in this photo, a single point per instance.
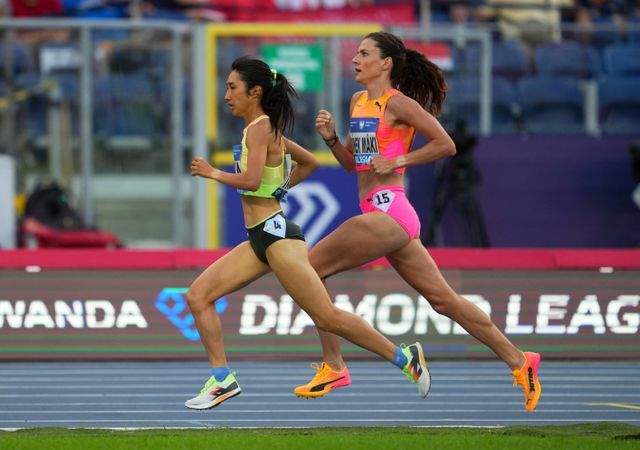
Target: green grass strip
pixel 579 437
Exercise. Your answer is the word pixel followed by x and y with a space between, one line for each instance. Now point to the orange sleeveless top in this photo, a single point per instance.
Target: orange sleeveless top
pixel 371 135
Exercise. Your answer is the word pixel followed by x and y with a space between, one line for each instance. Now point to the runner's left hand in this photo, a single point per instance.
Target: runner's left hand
pixel 381 166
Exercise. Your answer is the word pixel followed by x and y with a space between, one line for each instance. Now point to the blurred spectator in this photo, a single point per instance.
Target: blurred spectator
pixel 460 13
pixel 590 13
pixel 522 21
pixel 592 8
pixel 197 10
pixel 68 8
pixel 228 10
pixel 98 9
pixel 103 39
pixel 36 8
pixel 305 5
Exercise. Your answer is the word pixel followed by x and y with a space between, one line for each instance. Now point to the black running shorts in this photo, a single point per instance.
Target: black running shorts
pixel 273 229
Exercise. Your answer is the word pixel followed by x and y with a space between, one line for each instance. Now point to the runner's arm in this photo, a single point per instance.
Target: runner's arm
pixel 326 127
pixel 257 138
pixel 409 112
pixel 306 162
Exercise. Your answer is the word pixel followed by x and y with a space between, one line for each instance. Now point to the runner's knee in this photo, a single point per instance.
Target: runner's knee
pixel 331 322
pixel 197 301
pixel 442 304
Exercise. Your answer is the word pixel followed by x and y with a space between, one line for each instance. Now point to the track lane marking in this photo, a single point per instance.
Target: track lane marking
pixel 616 405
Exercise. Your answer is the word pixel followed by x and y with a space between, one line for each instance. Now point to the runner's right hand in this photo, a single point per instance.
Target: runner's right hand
pixel 325 124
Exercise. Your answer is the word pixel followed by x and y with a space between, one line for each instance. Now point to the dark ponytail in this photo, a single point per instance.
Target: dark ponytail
pixel 276 91
pixel 412 73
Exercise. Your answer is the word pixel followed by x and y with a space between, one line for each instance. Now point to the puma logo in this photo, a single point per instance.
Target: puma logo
pixel 532 385
pixel 321 386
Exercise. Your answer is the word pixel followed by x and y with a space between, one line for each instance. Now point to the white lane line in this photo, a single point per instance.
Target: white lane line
pixel 358 387
pixel 315 420
pixel 274 367
pixel 38 371
pixel 342 394
pixel 229 410
pixel 616 405
pixel 325 402
pixel 243 376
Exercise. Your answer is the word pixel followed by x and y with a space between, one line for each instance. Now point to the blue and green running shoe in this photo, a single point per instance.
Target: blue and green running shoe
pixel 416 368
pixel 214 392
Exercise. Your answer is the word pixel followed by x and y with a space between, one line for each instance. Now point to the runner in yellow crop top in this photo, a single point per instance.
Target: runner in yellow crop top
pixel 274 180
pixel 274 243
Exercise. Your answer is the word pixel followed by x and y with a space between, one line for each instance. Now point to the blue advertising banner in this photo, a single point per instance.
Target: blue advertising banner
pixel 319 204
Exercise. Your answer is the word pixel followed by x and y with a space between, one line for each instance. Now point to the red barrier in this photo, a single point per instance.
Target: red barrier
pixel 458 258
pixel 87 259
pixel 585 259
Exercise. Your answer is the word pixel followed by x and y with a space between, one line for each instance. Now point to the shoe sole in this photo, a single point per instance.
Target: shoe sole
pixel 312 394
pixel 217 401
pixel 536 397
pixel 425 373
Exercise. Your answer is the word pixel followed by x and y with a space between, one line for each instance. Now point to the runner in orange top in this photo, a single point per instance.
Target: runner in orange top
pixel 403 94
pixel 369 129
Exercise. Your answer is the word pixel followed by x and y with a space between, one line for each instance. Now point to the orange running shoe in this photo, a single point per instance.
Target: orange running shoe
pixel 527 378
pixel 325 380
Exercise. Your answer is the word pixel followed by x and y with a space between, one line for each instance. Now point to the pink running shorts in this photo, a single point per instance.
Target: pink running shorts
pixel 391 200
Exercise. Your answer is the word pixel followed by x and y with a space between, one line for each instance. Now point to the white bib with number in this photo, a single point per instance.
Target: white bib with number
pixel 383 199
pixel 276 226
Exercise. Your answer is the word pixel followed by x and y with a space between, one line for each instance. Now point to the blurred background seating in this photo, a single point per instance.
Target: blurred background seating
pixel 574 71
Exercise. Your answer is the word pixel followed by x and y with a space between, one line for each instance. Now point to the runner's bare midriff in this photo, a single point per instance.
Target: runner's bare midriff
pixel 256 209
pixel 368 182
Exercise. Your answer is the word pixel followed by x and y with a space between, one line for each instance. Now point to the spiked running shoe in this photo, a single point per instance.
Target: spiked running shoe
pixel 213 393
pixel 527 378
pixel 325 380
pixel 416 368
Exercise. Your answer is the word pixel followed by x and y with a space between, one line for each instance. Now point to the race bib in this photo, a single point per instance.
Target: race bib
pixel 237 152
pixel 283 190
pixel 383 199
pixel 363 138
pixel 277 226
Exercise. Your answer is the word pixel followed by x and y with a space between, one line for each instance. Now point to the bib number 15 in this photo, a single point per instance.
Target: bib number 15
pixel 383 199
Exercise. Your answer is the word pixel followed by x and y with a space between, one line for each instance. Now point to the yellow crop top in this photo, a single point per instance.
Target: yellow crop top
pixel 275 180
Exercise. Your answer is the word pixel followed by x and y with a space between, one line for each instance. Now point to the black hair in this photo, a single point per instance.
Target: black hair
pixel 276 91
pixel 412 73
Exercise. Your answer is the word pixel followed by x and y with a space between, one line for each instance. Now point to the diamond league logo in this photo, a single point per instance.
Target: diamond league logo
pixel 317 207
pixel 171 303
